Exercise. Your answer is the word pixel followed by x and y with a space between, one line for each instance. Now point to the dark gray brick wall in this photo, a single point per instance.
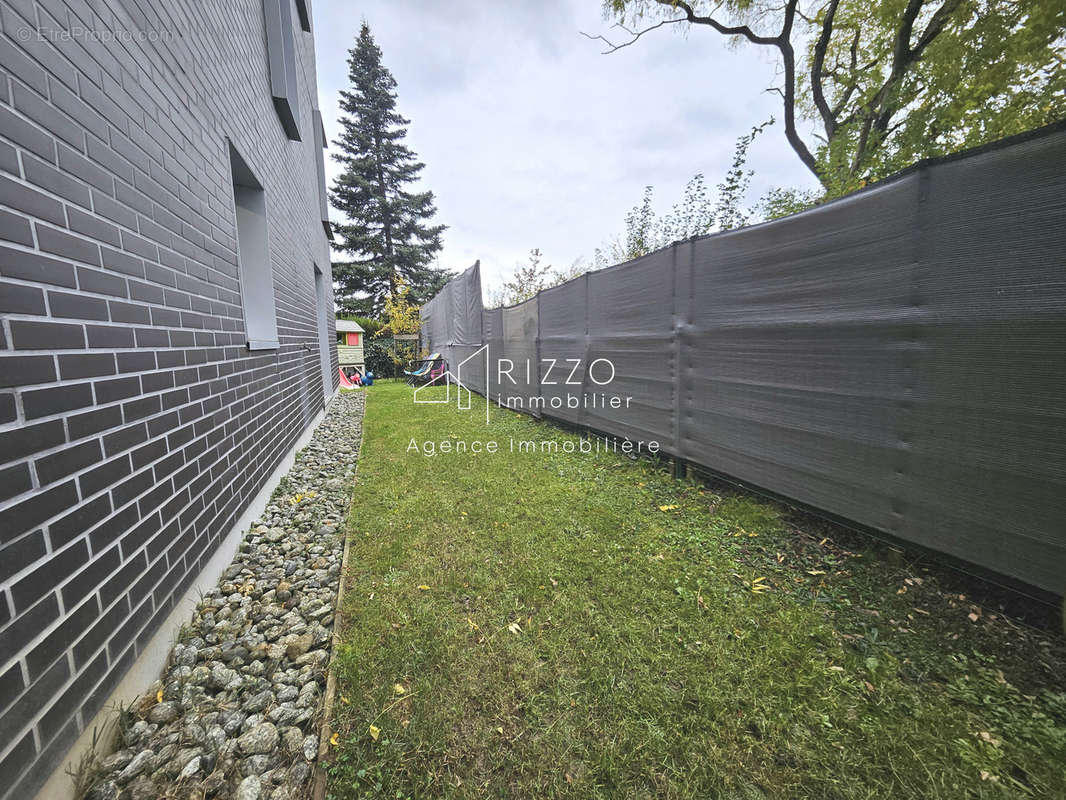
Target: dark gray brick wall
pixel 135 426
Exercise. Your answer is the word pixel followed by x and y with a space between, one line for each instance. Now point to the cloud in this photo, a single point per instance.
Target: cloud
pixel 532 138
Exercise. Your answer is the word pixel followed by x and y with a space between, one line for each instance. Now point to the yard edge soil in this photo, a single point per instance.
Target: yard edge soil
pixel 237 714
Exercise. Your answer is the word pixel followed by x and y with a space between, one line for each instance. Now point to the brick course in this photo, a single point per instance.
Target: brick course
pixel 135 425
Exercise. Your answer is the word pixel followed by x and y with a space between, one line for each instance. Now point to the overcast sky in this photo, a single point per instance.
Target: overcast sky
pixel 532 138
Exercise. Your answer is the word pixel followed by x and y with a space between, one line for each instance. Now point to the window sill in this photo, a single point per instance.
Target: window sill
pixel 263 344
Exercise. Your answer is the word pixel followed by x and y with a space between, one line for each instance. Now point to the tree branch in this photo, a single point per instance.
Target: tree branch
pixel 788 57
pixel 614 48
pixel 820 47
pixel 727 30
pixel 782 41
pixel 935 27
pixel 904 56
pixel 784 45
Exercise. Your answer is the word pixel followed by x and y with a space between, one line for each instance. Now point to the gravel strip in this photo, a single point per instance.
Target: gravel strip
pixel 236 715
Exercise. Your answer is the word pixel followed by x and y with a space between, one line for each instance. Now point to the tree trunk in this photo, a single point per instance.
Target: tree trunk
pixel 386 220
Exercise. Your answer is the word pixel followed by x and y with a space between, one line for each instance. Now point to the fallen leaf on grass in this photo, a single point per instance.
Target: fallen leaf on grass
pixel 973 617
pixel 345 700
pixel 424 588
pixel 375 732
pixel 816 572
pixel 513 628
pixel 667 508
pixel 159 696
pixel 335 739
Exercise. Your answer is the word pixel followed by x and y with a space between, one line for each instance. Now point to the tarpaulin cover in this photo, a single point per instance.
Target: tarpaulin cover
pixel 896 357
pixel 451 324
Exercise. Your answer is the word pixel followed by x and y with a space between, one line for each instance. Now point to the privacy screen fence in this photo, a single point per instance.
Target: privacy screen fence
pixel 896 358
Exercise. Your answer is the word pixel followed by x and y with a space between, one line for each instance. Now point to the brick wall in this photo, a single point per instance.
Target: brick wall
pixel 135 425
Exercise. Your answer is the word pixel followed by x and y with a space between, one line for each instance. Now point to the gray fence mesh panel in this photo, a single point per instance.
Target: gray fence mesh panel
pixel 564 347
pixel 797 353
pixel 631 325
pixel 520 389
pixel 492 322
pixel 895 357
pixel 987 442
pixel 451 325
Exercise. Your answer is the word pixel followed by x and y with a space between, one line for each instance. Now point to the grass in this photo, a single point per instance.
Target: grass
pixel 585 626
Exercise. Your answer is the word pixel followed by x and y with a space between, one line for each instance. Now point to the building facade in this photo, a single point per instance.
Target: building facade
pixel 166 327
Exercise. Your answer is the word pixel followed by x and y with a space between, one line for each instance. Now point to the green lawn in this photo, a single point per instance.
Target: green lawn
pixel 568 625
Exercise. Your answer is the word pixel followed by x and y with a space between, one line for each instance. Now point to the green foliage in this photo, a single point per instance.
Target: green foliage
pixel 891 82
pixel 781 202
pixel 995 68
pixel 370 325
pixel 402 319
pixel 728 213
pixel 378 356
pixel 401 313
pixel 388 234
pixel 695 215
pixel 526 280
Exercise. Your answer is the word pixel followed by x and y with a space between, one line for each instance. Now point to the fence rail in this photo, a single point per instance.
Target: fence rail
pixel 896 358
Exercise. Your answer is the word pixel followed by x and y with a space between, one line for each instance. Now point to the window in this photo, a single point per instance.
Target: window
pixel 323 199
pixel 323 301
pixel 253 257
pixel 281 53
pixel 304 14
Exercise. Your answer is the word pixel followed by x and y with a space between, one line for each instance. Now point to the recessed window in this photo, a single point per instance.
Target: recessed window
pixel 304 13
pixel 323 200
pixel 323 302
pixel 281 53
pixel 253 257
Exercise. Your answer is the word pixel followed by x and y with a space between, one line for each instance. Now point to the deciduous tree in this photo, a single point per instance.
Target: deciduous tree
pixel 884 83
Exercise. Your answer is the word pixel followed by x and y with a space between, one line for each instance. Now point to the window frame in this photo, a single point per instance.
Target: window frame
pixel 281 62
pixel 303 11
pixel 255 268
pixel 320 168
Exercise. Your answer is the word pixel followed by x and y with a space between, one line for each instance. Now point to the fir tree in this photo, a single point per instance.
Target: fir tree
pixel 388 235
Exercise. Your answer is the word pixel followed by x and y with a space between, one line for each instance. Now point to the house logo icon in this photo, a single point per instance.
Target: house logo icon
pixel 464 396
